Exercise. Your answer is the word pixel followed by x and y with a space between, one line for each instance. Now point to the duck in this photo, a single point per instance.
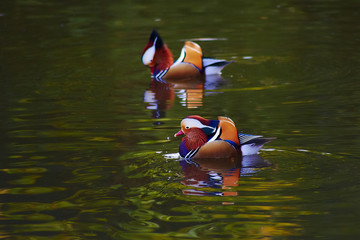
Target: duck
pixel 208 139
pixel 191 63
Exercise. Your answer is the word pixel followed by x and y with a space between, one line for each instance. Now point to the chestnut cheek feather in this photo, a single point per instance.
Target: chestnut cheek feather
pixel 195 139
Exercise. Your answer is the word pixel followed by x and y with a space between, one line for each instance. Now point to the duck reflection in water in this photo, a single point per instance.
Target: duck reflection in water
pixel 218 174
pixel 161 95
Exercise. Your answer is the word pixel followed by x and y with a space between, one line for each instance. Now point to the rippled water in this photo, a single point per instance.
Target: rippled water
pixel 87 146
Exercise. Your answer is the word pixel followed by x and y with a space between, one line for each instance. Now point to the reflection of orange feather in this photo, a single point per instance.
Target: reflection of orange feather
pixel 231 178
pixel 194 98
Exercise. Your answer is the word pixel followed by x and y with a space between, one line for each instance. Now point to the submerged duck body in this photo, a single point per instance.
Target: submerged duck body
pixel 191 62
pixel 216 139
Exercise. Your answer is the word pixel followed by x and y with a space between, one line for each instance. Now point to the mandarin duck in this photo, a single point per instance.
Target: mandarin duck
pixel 216 139
pixel 191 62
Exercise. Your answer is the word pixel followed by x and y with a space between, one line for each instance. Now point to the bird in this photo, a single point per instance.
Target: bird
pixel 207 139
pixel 191 63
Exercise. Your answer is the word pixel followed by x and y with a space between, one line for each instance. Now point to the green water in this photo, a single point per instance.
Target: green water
pixel 87 147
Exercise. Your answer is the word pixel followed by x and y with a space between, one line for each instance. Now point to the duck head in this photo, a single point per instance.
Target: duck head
pixel 193 140
pixel 195 121
pixel 156 54
pixel 198 131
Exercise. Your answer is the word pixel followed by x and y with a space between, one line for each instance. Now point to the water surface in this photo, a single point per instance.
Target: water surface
pixel 87 147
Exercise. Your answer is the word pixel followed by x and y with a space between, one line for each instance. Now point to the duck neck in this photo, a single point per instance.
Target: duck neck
pixel 163 58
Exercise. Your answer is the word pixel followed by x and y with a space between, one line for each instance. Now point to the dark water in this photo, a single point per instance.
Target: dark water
pixel 86 137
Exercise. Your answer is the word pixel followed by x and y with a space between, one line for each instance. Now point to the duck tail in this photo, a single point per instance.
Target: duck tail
pixel 214 66
pixel 251 144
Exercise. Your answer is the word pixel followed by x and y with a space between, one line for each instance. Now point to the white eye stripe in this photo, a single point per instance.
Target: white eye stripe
pixel 189 122
pixel 148 55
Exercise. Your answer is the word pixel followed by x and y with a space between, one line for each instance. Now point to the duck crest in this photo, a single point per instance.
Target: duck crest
pixel 200 119
pixel 154 39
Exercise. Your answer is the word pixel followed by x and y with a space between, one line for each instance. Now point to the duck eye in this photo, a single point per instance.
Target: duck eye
pixel 187 127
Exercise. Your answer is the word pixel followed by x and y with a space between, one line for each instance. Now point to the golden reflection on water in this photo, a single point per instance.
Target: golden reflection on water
pixel 224 200
pixel 161 95
pixel 191 98
pixel 202 200
pixel 80 159
pixel 207 199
